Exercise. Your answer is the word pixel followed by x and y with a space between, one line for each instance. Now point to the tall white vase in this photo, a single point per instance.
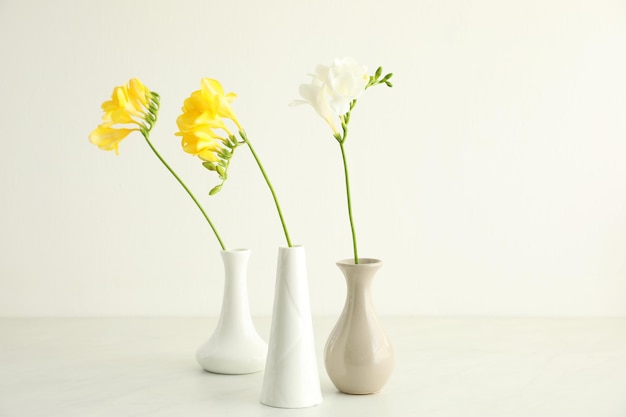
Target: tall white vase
pixel 235 346
pixel 291 377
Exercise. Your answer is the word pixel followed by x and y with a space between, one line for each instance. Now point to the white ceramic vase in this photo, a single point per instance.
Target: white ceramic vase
pixel 291 377
pixel 358 356
pixel 235 346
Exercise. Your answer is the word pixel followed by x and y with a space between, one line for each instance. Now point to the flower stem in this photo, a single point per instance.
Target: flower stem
pixel 146 136
pixel 345 171
pixel 269 184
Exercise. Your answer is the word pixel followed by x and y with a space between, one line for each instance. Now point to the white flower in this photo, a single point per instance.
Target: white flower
pixel 333 88
pixel 346 81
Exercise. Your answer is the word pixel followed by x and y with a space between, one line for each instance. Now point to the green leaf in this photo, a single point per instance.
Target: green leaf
pixel 379 72
pixel 215 190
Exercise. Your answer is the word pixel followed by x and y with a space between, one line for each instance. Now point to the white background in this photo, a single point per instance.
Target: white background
pixel 491 179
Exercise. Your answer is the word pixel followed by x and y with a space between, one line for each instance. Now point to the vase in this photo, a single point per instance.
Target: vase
pixel 291 377
pixel 358 356
pixel 235 346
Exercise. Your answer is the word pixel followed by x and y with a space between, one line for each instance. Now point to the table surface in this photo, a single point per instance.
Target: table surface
pixel 444 367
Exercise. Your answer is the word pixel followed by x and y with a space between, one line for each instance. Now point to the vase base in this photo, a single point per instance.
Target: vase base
pixel 293 406
pixel 351 392
pixel 216 366
pixel 232 371
pixel 244 357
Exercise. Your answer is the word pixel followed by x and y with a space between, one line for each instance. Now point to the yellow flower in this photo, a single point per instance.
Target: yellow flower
pixel 202 123
pixel 132 107
pixel 204 129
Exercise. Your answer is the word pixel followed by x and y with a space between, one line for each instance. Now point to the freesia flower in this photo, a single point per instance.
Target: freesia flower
pixel 346 80
pixel 333 88
pixel 333 93
pixel 204 128
pixel 133 107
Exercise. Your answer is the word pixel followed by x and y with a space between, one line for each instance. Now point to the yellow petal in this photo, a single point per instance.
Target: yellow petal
pixel 214 93
pixel 121 116
pixel 108 138
pixel 138 93
pixel 189 121
pixel 197 103
pixel 230 97
pixel 211 87
pixel 202 145
pixel 208 155
pixel 125 106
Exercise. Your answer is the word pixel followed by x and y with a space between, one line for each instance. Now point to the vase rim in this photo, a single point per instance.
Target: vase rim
pixel 363 262
pixel 235 250
pixel 290 247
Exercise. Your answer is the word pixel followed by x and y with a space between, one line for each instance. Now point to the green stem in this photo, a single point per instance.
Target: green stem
pixel 345 171
pixel 146 136
pixel 269 184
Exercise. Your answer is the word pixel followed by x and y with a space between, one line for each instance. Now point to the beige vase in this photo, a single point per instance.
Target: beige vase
pixel 358 356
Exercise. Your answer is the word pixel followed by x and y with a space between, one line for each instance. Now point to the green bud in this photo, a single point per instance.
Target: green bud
pixel 215 190
pixel 221 172
pixel 209 165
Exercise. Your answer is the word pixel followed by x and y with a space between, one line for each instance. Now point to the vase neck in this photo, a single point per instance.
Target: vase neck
pixel 359 280
pixel 359 292
pixel 235 306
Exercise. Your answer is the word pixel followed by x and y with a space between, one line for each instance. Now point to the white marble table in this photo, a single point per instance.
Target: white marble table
pixel 445 367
